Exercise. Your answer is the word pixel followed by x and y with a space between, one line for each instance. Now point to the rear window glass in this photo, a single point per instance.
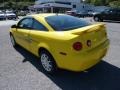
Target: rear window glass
pixel 65 22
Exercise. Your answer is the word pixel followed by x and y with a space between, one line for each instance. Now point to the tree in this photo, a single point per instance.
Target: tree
pixel 96 2
pixel 115 4
pixel 103 2
pixel 21 4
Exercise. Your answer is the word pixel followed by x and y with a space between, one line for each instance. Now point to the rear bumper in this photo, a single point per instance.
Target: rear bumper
pixel 11 17
pixel 2 17
pixel 83 61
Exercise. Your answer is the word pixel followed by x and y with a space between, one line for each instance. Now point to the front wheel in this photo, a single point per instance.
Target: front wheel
pixel 97 19
pixel 47 62
pixel 13 41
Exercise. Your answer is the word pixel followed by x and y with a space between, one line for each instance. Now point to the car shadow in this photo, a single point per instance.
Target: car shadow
pixel 103 76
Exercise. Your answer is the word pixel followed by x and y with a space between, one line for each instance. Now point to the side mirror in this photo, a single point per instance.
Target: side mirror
pixel 14 26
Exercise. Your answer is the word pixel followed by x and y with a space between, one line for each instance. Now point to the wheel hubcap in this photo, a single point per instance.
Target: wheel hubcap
pixel 12 40
pixel 96 19
pixel 46 63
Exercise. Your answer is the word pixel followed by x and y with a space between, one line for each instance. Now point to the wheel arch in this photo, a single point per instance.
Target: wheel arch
pixel 44 46
pixel 49 51
pixel 10 33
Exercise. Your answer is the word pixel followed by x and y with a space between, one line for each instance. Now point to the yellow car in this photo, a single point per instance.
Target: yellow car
pixel 61 41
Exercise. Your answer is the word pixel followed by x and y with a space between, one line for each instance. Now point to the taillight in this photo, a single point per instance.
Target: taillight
pixel 77 46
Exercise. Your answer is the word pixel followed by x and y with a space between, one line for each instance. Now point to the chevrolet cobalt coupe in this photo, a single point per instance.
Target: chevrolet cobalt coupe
pixel 61 41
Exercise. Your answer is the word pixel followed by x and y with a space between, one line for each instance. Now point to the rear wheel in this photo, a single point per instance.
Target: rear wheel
pixel 47 62
pixel 13 40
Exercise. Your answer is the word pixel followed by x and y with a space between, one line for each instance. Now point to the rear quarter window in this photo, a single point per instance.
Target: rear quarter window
pixel 38 26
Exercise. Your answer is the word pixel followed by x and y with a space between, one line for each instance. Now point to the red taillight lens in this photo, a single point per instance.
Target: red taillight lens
pixel 77 46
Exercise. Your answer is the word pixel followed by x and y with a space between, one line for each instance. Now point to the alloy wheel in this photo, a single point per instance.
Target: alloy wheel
pixel 46 62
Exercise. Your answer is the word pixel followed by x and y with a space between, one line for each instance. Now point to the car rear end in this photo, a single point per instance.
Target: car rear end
pixel 88 47
pixel 79 44
pixel 11 15
pixel 2 16
pixel 72 13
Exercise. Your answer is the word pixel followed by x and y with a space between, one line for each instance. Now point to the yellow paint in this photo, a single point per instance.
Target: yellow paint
pixel 56 42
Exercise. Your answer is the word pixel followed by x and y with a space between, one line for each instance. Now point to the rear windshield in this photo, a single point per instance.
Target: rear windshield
pixel 65 22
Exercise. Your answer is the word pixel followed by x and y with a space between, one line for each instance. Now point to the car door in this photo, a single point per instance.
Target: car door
pixel 106 15
pixel 22 32
pixel 37 35
pixel 113 14
pixel 118 15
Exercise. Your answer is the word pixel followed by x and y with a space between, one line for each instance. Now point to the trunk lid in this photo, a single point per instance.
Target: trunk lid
pixel 91 36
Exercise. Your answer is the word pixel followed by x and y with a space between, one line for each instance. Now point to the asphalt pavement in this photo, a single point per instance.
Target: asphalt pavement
pixel 20 70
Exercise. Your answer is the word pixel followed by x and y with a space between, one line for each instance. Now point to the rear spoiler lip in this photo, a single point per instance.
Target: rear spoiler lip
pixel 87 29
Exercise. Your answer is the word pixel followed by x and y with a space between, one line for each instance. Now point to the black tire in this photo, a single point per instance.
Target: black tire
pixel 13 40
pixel 101 20
pixel 47 61
pixel 96 18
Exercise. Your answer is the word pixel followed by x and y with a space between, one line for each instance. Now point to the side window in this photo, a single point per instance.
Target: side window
pixel 106 11
pixel 113 11
pixel 38 26
pixel 26 23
